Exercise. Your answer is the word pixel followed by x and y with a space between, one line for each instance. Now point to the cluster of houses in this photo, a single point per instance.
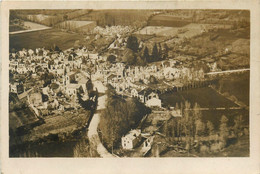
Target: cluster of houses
pixel 69 77
pixel 71 71
pixel 112 30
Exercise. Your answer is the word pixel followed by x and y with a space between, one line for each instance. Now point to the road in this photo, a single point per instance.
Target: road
pixel 220 108
pixel 228 71
pixel 26 31
pixel 92 130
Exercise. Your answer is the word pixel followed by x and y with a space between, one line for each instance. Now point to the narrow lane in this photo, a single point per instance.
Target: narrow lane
pixel 92 131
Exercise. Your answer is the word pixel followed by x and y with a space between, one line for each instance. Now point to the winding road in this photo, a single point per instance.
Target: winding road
pixel 92 130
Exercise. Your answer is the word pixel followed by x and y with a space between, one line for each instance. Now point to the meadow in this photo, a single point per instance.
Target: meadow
pixel 236 85
pixel 45 38
pixel 167 21
pixel 205 97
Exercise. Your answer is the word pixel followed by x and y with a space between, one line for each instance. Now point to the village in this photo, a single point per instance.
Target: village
pixel 141 68
pixel 60 77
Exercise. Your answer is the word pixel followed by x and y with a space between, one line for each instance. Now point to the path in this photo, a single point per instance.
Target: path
pixel 220 108
pixel 228 71
pixel 92 130
pixel 26 31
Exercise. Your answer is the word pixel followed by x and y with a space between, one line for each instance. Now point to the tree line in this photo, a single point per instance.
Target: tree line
pixel 191 127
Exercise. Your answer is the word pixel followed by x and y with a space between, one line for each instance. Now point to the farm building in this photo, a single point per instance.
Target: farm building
pixel 130 140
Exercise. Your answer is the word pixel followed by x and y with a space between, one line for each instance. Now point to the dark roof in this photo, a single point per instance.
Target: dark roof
pixel 145 91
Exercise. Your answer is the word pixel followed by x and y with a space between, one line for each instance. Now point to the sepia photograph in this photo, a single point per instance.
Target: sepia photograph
pixel 146 83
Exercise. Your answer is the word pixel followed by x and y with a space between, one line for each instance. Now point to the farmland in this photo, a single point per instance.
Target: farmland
pixel 32 25
pixel 236 85
pixel 118 17
pixel 167 21
pixel 188 31
pixel 205 97
pixel 45 39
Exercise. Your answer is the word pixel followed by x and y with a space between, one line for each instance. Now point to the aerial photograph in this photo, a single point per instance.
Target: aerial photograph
pixel 129 83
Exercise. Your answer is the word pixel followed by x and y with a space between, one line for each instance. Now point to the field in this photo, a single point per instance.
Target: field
pixel 21 117
pixel 45 38
pixel 118 17
pixel 15 28
pixel 236 85
pixel 60 123
pixel 32 25
pixel 188 30
pixel 167 21
pixel 205 97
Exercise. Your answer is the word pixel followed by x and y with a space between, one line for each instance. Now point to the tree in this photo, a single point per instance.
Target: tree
pixel 146 55
pixel 111 58
pixel 89 86
pixel 197 112
pixel 132 43
pixel 155 53
pixel 56 48
pixel 165 49
pixel 153 80
pixel 140 61
pixel 223 128
pixel 119 116
pixel 200 127
pixel 210 128
pixel 238 124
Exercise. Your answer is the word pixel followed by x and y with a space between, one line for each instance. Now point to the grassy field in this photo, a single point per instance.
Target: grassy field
pixel 118 17
pixel 45 39
pixel 32 25
pixel 205 97
pixel 236 85
pixel 189 30
pixel 21 117
pixel 15 28
pixel 61 123
pixel 167 21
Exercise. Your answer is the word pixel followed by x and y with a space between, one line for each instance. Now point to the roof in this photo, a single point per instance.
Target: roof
pixel 24 94
pixel 73 86
pixel 133 134
pixel 145 91
pixel 111 76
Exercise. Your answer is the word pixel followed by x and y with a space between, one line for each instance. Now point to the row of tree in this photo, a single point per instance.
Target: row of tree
pixel 191 125
pixel 139 55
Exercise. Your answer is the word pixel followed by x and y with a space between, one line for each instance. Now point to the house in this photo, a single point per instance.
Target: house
pixel 35 99
pixel 146 94
pixel 134 93
pixel 71 89
pixel 153 102
pixel 130 140
pixel 152 99
pixel 13 87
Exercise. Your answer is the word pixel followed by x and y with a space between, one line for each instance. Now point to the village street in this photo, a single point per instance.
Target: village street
pixel 92 131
